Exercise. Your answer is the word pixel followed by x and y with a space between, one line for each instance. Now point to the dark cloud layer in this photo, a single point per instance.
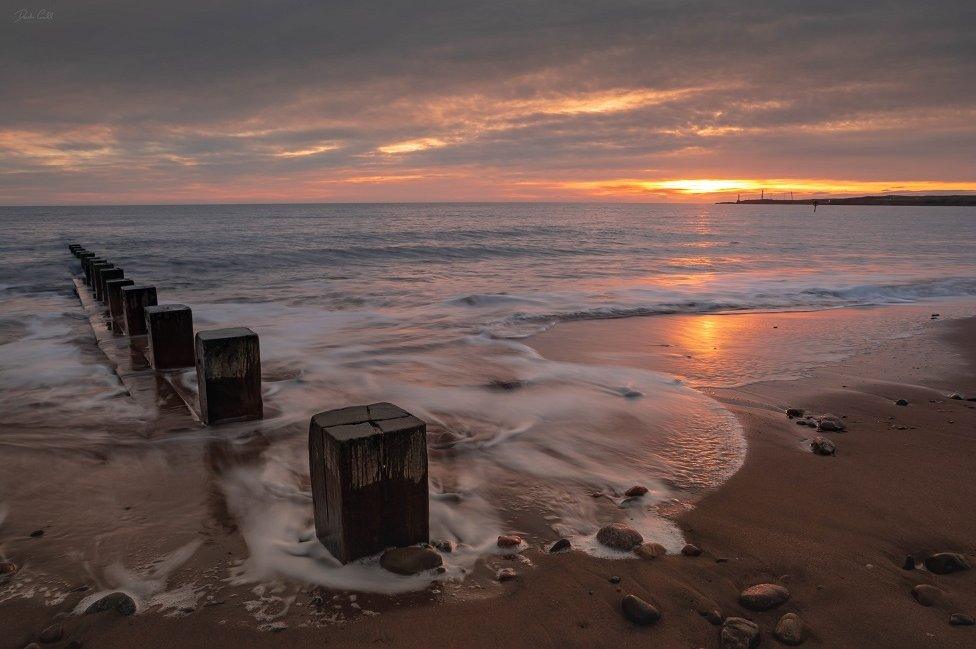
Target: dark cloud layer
pixel 416 100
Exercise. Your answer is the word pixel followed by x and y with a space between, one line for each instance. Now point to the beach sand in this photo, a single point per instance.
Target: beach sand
pixel 834 530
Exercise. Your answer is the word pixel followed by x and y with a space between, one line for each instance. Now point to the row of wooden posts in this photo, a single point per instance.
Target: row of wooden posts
pixel 368 464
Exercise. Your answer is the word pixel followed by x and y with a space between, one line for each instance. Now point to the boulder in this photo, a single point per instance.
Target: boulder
pixel 117 601
pixel 638 611
pixel 823 446
pixel 506 574
pixel 961 619
pixel 411 560
pixel 636 491
pixel 738 633
pixel 789 630
pixel 792 413
pixel 619 537
pixel 650 550
pixel 444 545
pixel 7 568
pixel 831 424
pixel 763 597
pixel 509 541
pixel 944 563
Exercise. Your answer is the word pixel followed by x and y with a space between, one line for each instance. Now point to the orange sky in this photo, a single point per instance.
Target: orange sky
pixel 609 102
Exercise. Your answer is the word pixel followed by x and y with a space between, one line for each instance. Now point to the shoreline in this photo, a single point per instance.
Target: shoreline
pixel 833 530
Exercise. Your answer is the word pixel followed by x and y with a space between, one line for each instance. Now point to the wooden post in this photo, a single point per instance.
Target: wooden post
pixel 135 299
pixel 113 288
pixel 103 277
pixel 74 248
pixel 97 277
pixel 89 267
pixel 170 331
pixel 229 375
pixel 369 479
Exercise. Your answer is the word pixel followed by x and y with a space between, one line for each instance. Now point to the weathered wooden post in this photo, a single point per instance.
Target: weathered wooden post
pixel 89 267
pixel 170 331
pixel 369 479
pixel 135 299
pixel 106 274
pixel 73 248
pixel 113 288
pixel 97 277
pixel 83 257
pixel 229 375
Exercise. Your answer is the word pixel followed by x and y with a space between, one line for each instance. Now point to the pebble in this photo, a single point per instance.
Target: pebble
pixel 823 446
pixel 619 537
pixel 789 629
pixel 901 402
pixel 956 396
pixel 118 601
pixel 509 541
pixel 506 574
pixel 638 611
pixel 614 579
pixel 794 412
pixel 739 633
pixel 909 563
pixel 51 634
pixel 650 550
pixel 944 563
pixel 763 597
pixel 37 533
pixel 560 545
pixel 7 567
pixel 961 619
pixel 830 423
pixel 691 550
pixel 927 595
pixel 636 491
pixel 444 545
pixel 411 560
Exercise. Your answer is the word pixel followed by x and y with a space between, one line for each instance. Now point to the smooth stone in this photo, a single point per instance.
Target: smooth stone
pixel 794 412
pixel 410 560
pixel 927 595
pixel 117 601
pixel 506 574
pixel 823 446
pixel 789 629
pixel 955 396
pixel 691 550
pixel 763 597
pixel 619 537
pixel 650 550
pixel 901 402
pixel 51 634
pixel 944 563
pixel 961 619
pixel 830 423
pixel 636 491
pixel 739 633
pixel 560 545
pixel 638 611
pixel 509 541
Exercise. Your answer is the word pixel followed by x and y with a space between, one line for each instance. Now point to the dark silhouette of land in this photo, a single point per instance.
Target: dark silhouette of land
pixel 954 200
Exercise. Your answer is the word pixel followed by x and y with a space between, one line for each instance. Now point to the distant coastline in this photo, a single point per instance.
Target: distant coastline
pixel 954 200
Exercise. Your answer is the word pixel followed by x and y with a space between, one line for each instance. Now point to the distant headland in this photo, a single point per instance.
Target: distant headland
pixel 954 200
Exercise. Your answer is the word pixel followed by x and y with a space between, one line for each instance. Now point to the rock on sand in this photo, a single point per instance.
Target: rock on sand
pixel 961 619
pixel 619 537
pixel 789 629
pixel 944 563
pixel 831 423
pixel 560 545
pixel 823 446
pixel 927 595
pixel 117 601
pixel 638 611
pixel 691 550
pixel 763 597
pixel 411 560
pixel 739 633
pixel 650 550
pixel 636 491
pixel 509 541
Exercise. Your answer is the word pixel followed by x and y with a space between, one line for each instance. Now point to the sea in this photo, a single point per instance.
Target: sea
pixel 435 307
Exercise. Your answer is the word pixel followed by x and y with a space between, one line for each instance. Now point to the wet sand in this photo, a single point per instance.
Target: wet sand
pixel 834 530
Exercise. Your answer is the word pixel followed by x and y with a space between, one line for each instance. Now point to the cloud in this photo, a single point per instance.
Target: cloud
pixel 199 101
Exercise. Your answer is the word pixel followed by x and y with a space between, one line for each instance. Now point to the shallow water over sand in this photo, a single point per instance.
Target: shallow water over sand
pixel 428 307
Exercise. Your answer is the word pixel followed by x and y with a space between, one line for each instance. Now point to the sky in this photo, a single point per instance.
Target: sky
pixel 201 101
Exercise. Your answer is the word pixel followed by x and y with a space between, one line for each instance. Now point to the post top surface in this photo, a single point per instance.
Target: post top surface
pixel 136 288
pixel 362 421
pixel 222 334
pixel 166 308
pixel 123 281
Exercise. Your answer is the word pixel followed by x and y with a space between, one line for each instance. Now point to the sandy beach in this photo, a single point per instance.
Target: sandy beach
pixel 835 531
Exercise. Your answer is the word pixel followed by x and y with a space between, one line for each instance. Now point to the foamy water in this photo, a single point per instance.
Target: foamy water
pixel 430 307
